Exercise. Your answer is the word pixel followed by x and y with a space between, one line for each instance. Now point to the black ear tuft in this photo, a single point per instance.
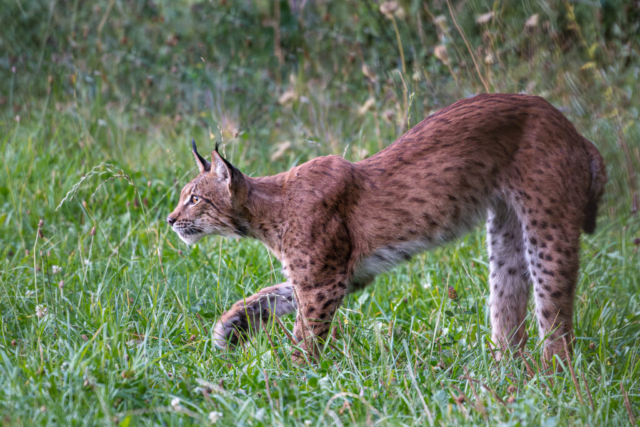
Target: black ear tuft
pixel 203 164
pixel 217 146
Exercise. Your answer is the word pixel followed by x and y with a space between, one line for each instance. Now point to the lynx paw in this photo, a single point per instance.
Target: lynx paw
pixel 231 329
pixel 245 316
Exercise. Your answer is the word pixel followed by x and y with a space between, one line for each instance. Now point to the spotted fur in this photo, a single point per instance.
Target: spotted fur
pixel 335 225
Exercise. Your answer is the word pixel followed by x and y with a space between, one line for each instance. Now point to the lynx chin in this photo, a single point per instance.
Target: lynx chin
pixel 334 225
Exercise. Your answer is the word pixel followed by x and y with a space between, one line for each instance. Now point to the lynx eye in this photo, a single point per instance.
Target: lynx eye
pixel 195 200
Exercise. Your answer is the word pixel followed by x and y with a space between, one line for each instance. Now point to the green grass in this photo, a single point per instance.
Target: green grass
pixel 108 94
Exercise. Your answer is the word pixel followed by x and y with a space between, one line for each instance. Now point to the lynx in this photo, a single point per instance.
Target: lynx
pixel 335 225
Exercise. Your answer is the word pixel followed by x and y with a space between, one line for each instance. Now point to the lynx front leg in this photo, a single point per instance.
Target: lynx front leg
pixel 317 306
pixel 317 249
pixel 245 316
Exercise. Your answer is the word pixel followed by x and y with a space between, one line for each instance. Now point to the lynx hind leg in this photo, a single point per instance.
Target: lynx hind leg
pixel 552 239
pixel 508 278
pixel 245 316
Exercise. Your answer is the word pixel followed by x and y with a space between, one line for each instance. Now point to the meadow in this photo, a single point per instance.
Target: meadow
pixel 106 316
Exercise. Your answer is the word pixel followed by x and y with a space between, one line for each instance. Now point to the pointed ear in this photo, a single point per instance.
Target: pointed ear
pixel 203 165
pixel 222 169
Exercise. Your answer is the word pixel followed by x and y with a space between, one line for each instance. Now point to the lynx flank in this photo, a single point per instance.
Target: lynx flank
pixel 335 225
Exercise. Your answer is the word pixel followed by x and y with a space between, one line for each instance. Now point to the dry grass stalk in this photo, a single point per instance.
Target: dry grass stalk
pixel 529 370
pixel 455 22
pixel 237 334
pixel 586 386
pixel 573 375
pixel 282 327
pixel 459 399
pixel 542 371
pixel 627 405
pixel 479 404
pixel 206 331
pixel 494 394
pixel 273 347
pixel 266 384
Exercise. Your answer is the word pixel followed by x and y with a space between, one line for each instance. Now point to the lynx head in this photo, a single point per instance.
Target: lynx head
pixel 212 203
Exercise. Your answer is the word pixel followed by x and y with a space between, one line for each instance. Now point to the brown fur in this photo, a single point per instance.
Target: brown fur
pixel 334 224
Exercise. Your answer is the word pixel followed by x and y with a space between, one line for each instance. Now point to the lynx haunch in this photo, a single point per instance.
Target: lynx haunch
pixel 335 225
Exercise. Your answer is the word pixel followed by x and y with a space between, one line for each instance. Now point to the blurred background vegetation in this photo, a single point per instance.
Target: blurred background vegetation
pixel 101 98
pixel 302 78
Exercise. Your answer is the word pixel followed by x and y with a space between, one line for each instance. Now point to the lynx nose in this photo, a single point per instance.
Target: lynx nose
pixel 171 220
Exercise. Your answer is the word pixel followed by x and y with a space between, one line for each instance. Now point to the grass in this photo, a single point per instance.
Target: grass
pixel 106 316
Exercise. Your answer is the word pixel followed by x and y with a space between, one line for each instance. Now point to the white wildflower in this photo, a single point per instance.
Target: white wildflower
pixel 490 58
pixel 56 269
pixel 484 18
pixel 532 22
pixel 214 416
pixel 440 20
pixel 41 311
pixel 390 8
pixel 440 52
pixel 175 403
pixel 368 72
pixel 288 97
